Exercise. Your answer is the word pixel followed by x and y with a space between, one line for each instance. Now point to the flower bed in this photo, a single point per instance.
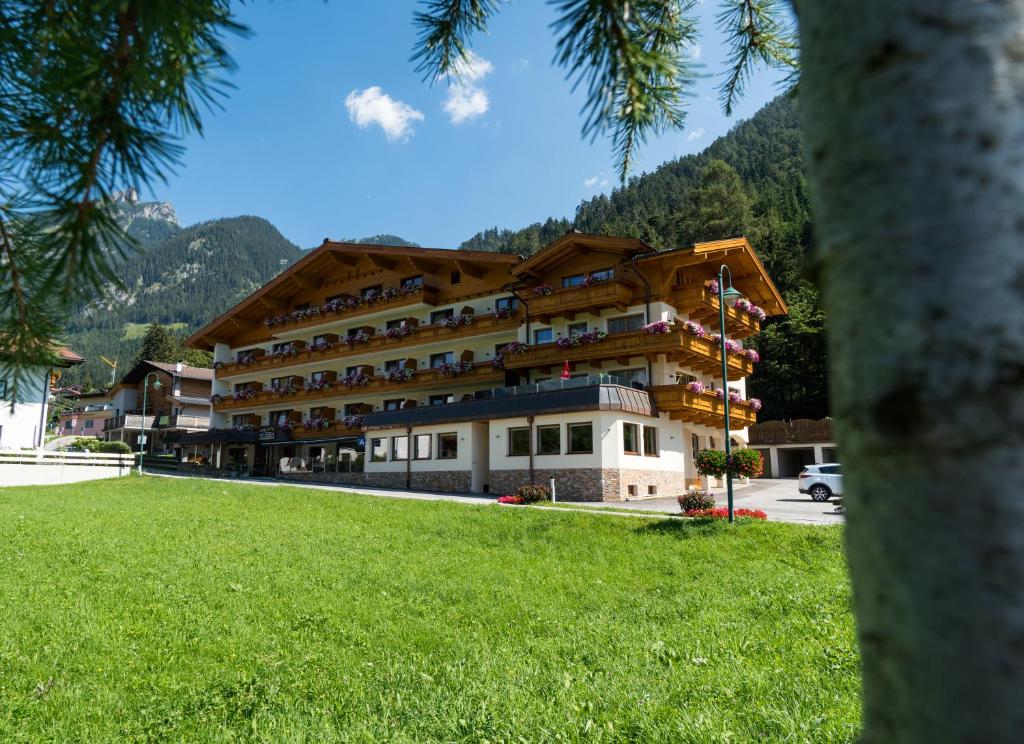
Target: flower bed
pixel 723 513
pixel 510 499
pixel 454 369
pixel 658 327
pixel 400 374
pixel 400 332
pixel 341 304
pixel 458 321
pixel 581 339
pixel 357 379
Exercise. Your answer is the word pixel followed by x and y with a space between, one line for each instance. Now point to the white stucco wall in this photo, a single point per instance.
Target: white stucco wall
pixel 23 425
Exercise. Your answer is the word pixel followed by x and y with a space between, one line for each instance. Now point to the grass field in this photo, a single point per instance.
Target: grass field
pixel 138 330
pixel 163 609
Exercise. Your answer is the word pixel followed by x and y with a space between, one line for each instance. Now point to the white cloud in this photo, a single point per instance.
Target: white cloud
pixel 695 134
pixel 592 181
pixel 599 180
pixel 694 50
pixel 467 99
pixel 374 106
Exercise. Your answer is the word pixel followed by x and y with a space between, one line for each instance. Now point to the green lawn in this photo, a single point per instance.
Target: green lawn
pixel 186 610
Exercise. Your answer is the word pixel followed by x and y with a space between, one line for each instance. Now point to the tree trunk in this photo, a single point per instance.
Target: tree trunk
pixel 914 129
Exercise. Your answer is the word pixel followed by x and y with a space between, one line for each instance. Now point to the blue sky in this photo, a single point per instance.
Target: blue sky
pixel 330 132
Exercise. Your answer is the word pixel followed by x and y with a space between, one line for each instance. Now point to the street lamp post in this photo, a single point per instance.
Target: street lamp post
pixel 725 297
pixel 145 391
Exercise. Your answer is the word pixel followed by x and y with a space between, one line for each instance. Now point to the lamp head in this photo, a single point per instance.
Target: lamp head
pixel 731 296
pixel 158 384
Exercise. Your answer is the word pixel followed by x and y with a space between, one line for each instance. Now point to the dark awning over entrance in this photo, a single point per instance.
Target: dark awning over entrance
pixel 526 400
pixel 212 436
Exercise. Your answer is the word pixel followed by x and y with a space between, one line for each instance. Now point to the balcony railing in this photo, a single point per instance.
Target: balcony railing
pixel 701 305
pixel 480 374
pixel 568 302
pixel 701 408
pixel 336 429
pixel 701 354
pixel 138 421
pixel 425 296
pixel 377 343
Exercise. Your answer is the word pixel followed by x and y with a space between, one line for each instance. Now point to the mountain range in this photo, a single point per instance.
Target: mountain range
pixel 750 181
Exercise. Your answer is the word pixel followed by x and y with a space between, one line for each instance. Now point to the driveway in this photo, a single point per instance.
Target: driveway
pixel 778 498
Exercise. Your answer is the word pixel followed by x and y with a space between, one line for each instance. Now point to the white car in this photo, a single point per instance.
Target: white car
pixel 822 481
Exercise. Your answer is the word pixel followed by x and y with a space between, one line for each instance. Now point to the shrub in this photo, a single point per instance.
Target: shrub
pixel 120 448
pixel 89 444
pixel 711 462
pixel 747 462
pixel 531 494
pixel 696 500
pixel 723 513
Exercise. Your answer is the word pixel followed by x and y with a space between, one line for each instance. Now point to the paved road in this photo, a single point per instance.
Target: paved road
pixel 779 498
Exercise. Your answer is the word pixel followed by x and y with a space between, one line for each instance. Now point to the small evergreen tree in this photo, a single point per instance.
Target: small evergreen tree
pixel 718 208
pixel 158 345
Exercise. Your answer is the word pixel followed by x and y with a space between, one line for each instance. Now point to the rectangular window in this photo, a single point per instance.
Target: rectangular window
pixel 278 382
pixel 447 357
pixel 352 409
pixel 391 364
pixel 576 329
pixel 278 418
pixel 378 450
pixel 317 376
pixel 67 425
pixel 625 323
pixel 412 281
pixel 447 446
pixel 282 346
pixel 456 277
pixel 439 315
pixel 353 370
pixel 240 419
pixel 543 335
pixel 395 404
pixel 573 280
pixel 630 439
pixel 395 324
pixel 651 441
pixel 549 440
pixel 602 274
pixel 318 412
pixel 440 400
pixel 88 423
pixel 510 303
pixel 400 448
pixel 519 442
pixel 421 447
pixel 694 444
pixel 373 291
pixel 581 438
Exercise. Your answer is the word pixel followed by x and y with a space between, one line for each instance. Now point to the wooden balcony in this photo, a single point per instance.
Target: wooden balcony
pixel 378 343
pixel 701 354
pixel 701 408
pixel 483 374
pixel 426 296
pixel 336 429
pixel 701 305
pixel 568 302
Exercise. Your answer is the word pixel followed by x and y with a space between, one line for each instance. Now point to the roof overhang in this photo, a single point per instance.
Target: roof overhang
pixel 576 243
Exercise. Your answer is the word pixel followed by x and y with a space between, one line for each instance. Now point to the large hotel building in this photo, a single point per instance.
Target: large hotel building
pixel 594 361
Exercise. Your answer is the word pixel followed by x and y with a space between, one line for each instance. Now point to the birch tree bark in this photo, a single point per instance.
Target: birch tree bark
pixel 914 131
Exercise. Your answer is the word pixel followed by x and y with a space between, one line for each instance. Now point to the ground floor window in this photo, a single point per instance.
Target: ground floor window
pixel 348 456
pixel 581 438
pixel 421 447
pixel 400 448
pixel 378 450
pixel 519 442
pixel 630 439
pixel 549 440
pixel 651 441
pixel 447 446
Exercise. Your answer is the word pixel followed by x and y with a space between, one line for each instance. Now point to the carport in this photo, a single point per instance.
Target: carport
pixel 793 459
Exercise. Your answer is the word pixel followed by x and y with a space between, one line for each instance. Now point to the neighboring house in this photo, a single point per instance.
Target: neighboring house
pixel 787 446
pixel 181 404
pixel 87 416
pixel 25 425
pixel 439 369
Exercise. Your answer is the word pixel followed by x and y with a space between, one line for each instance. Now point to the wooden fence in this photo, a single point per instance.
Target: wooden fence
pixel 791 432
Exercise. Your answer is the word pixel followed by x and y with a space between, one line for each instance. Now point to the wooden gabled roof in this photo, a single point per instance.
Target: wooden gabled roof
pixel 305 274
pixel 575 243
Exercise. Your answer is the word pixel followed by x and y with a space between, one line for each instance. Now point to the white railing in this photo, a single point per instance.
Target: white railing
pixel 45 457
